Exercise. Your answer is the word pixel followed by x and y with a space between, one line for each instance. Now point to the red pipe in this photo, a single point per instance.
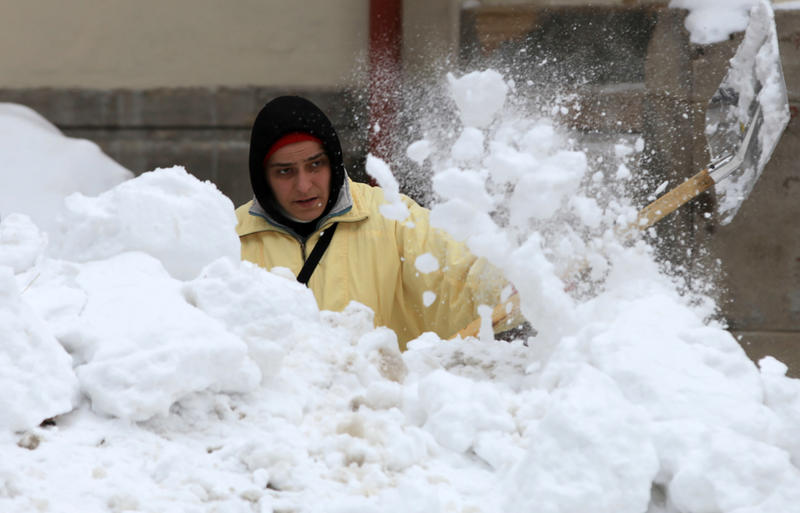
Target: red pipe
pixel 385 86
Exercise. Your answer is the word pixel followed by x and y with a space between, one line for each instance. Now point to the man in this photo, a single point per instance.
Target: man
pixel 303 196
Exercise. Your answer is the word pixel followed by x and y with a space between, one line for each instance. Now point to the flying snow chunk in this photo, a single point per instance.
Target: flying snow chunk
pixel 382 173
pixel 461 219
pixel 470 186
pixel 479 96
pixel 507 165
pixel 41 166
pixel 167 213
pixel 469 145
pixel 622 150
pixel 540 139
pixel 540 193
pixel 426 263
pixel 587 210
pixel 418 151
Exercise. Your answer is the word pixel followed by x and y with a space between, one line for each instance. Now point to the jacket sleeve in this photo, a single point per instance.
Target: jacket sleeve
pixel 444 300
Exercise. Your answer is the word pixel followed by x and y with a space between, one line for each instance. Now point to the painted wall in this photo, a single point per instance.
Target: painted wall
pixel 179 43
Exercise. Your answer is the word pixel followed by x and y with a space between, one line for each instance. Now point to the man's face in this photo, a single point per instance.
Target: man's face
pixel 299 175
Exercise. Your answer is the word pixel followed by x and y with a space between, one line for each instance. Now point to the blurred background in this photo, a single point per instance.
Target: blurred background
pixel 158 84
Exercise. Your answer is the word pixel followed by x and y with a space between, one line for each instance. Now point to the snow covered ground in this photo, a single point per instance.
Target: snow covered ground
pixel 145 368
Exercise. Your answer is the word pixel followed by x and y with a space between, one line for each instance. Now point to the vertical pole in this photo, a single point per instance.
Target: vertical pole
pixel 385 85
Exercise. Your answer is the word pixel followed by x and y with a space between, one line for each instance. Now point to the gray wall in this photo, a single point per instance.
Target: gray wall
pixel 142 44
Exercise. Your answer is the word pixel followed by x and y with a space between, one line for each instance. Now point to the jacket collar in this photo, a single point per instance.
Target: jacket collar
pixel 344 210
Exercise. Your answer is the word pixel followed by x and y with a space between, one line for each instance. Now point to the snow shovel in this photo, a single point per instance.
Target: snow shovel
pixel 744 121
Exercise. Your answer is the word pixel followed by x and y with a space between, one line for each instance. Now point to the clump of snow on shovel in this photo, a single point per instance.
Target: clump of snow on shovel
pixel 756 63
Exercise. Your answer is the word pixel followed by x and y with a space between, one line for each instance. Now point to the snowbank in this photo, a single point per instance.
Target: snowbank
pixel 169 214
pixel 41 166
pixel 37 378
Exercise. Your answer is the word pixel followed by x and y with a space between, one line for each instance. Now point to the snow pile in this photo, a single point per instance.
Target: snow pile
pixel 37 378
pixel 40 166
pixel 226 389
pixel 141 346
pixel 21 242
pixel 168 214
pixel 137 344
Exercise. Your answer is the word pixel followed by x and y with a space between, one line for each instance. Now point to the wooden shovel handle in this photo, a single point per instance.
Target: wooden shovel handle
pixel 503 314
pixel 674 199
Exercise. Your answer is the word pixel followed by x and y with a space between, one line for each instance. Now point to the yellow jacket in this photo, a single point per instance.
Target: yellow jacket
pixel 371 259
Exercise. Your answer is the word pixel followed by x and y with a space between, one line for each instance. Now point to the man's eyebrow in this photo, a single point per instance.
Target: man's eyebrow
pixel 289 164
pixel 315 157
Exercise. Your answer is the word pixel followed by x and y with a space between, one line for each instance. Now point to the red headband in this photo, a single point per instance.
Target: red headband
pixel 288 139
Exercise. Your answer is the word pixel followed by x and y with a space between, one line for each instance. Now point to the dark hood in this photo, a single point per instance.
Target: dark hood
pixel 281 116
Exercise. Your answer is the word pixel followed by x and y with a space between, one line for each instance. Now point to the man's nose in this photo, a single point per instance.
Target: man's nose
pixel 303 180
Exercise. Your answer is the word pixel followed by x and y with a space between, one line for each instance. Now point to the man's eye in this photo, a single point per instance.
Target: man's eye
pixel 283 171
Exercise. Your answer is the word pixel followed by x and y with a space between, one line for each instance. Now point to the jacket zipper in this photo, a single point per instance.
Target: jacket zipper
pixel 303 244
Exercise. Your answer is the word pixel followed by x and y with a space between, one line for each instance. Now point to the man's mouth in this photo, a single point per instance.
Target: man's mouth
pixel 308 202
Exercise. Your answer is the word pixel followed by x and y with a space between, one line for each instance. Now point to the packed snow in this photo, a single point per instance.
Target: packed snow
pixel 146 368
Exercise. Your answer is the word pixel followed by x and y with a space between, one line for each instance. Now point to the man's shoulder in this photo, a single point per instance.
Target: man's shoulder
pixel 243 209
pixel 247 222
pixel 362 190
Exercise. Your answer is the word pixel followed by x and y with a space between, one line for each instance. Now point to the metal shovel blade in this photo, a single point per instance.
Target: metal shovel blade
pixel 747 114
